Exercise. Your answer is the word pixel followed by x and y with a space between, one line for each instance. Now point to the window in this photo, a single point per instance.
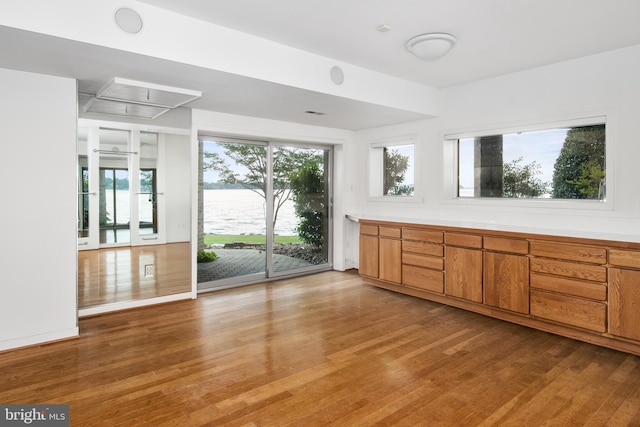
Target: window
pixel 392 169
pixel 559 163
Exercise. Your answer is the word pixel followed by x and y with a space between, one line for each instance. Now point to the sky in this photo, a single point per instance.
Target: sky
pixel 212 147
pixel 215 147
pixel 542 146
pixel 407 150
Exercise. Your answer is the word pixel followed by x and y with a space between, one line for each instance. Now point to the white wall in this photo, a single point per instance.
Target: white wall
pixel 38 215
pixel 178 188
pixel 195 42
pixel 605 83
pixel 251 127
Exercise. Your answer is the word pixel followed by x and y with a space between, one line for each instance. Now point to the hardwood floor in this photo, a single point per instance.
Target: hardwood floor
pixel 118 274
pixel 321 350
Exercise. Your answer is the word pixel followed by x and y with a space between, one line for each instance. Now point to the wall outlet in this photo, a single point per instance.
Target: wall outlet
pixel 148 270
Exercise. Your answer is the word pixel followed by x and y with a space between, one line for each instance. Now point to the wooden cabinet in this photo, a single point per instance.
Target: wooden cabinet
pixel 506 281
pixel 368 255
pixel 422 259
pixel 506 273
pixel 368 258
pixel 624 258
pixel 380 252
pixel 569 283
pixel 624 294
pixel 463 273
pixel 390 264
pixel 581 288
pixel 566 309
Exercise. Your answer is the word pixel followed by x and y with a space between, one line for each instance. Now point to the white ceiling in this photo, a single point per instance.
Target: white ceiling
pixel 495 37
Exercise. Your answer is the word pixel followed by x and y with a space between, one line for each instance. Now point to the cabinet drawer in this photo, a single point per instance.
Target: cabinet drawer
pixel 423 261
pixel 465 240
pixel 423 235
pixel 500 244
pixel 570 252
pixel 422 248
pixel 568 310
pixel 624 258
pixel 371 230
pixel 393 232
pixel 595 273
pixel 578 288
pixel 423 278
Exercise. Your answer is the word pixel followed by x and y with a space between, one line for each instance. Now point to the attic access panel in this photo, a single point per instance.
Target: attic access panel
pixel 138 92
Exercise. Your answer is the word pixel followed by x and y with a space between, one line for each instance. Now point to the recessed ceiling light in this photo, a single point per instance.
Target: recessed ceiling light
pixel 128 20
pixel 337 75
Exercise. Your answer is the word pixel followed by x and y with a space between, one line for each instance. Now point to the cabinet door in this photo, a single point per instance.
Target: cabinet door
pixel 463 273
pixel 368 255
pixel 624 300
pixel 506 281
pixel 390 260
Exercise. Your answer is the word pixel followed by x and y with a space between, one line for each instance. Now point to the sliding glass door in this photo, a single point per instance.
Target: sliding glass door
pixel 264 211
pixel 301 217
pixel 233 201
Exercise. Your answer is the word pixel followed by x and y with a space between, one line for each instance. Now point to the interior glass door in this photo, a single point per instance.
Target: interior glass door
pixel 114 187
pixel 149 200
pixel 84 192
pixel 120 181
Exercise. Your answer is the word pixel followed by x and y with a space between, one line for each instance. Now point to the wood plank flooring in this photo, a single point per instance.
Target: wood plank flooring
pixel 321 350
pixel 118 274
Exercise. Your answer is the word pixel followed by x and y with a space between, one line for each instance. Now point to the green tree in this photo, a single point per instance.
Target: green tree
pixel 307 184
pixel 395 168
pixel 254 160
pixel 579 170
pixel 522 181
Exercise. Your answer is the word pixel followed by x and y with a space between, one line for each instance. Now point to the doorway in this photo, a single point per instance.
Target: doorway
pixel 119 174
pixel 129 247
pixel 264 210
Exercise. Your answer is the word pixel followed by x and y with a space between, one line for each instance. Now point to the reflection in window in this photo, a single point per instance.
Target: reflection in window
pixel 398 162
pixel 148 194
pixel 392 169
pixel 563 163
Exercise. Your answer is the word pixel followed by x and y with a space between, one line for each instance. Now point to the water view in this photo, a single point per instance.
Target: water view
pixel 240 211
pixel 233 211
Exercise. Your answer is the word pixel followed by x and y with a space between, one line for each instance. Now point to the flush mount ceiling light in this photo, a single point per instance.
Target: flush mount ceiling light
pixel 429 47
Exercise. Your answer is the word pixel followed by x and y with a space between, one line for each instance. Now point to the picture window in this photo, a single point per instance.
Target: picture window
pixel 392 169
pixel 559 163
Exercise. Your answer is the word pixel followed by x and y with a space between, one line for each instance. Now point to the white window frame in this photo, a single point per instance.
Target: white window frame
pixel 450 157
pixel 376 169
